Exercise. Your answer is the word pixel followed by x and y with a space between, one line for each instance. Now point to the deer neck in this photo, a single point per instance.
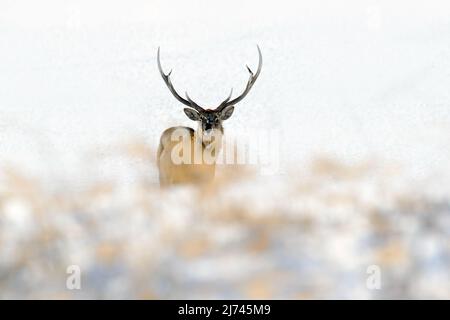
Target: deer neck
pixel 211 145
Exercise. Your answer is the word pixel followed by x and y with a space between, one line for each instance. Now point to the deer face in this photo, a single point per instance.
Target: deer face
pixel 210 121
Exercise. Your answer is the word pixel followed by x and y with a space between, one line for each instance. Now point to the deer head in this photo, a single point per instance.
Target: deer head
pixel 210 120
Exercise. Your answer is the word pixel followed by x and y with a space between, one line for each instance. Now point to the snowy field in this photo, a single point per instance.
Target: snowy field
pixel 355 92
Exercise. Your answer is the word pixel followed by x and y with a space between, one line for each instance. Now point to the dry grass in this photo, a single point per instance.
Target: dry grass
pixel 295 236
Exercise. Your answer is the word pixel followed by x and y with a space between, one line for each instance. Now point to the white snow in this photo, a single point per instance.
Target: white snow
pixel 82 106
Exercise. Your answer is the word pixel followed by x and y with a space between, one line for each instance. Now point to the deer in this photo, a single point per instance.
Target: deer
pixel 188 156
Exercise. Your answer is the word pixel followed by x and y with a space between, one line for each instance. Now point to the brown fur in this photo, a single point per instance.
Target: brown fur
pixel 171 173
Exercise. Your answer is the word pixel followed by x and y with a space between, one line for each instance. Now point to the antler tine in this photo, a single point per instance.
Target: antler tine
pixel 166 78
pixel 250 83
pixel 193 104
pixel 224 102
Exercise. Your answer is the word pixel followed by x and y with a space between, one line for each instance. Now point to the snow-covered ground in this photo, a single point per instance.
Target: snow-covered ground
pixel 356 94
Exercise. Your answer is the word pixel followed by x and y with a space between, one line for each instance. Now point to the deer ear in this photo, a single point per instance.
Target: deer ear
pixel 192 114
pixel 226 113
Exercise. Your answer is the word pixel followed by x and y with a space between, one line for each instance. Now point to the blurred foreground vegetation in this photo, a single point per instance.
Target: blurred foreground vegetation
pixel 305 234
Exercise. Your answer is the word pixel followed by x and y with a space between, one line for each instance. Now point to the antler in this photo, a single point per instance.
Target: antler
pixel 166 78
pixel 251 81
